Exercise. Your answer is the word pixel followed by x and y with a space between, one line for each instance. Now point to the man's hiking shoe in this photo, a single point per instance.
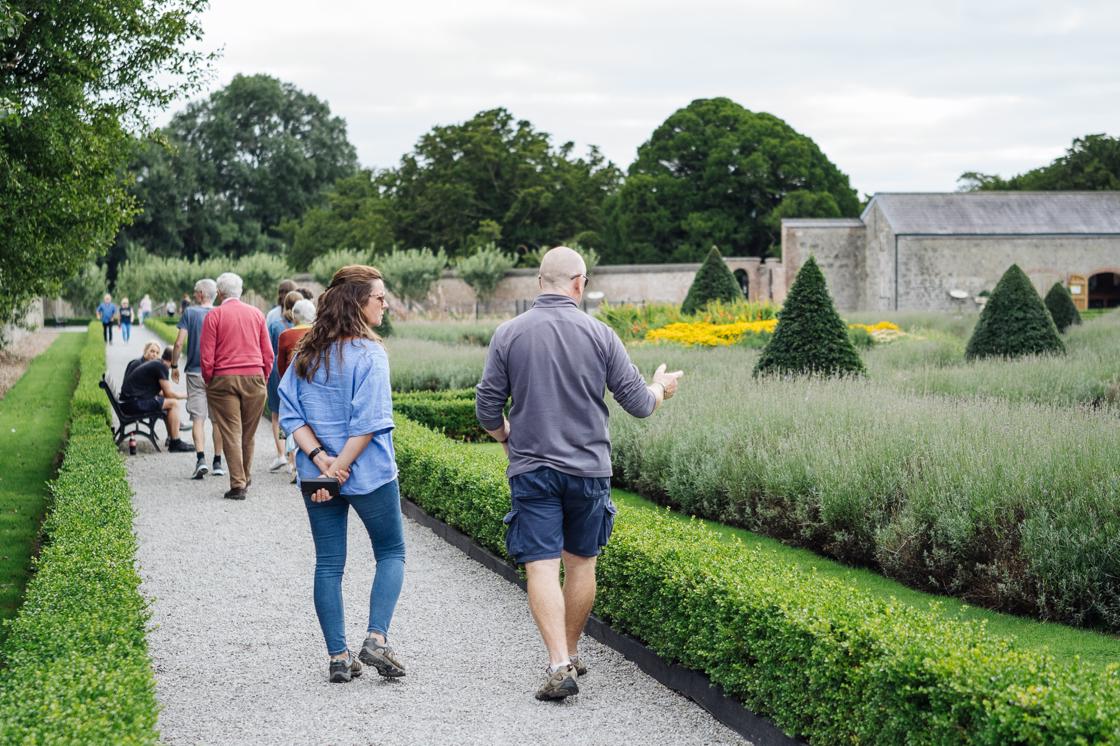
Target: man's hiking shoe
pixel 200 470
pixel 579 666
pixel 559 684
pixel 180 446
pixel 382 658
pixel 237 493
pixel 218 471
pixel 344 669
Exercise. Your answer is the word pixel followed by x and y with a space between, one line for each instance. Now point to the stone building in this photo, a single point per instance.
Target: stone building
pixel 918 251
pixel 626 283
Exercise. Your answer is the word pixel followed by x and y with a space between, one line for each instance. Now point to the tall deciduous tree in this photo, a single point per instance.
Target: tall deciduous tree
pixel 77 79
pixel 1092 163
pixel 715 173
pixel 232 168
pixel 498 169
pixel 355 217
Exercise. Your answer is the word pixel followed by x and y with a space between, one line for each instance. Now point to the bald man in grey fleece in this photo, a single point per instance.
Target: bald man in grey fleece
pixel 555 362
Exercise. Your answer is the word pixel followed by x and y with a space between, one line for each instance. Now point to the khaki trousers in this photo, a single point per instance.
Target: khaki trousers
pixel 236 405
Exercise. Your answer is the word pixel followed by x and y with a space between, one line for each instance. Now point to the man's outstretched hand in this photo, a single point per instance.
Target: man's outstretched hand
pixel 668 381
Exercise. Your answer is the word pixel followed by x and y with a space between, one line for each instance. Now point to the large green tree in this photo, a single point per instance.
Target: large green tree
pixel 77 79
pixel 496 169
pixel 1092 163
pixel 356 216
pixel 226 173
pixel 716 173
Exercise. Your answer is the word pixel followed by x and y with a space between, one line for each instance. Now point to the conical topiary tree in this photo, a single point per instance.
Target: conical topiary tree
pixel 1060 305
pixel 1014 321
pixel 713 281
pixel 810 338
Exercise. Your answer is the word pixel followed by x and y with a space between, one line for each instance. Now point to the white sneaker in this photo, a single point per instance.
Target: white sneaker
pixel 278 463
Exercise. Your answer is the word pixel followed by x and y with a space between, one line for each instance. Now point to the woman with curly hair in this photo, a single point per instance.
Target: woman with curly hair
pixel 336 402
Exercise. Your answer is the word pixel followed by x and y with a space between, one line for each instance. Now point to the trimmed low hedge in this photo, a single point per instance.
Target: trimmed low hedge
pixel 165 331
pixel 820 658
pixel 450 412
pixel 76 655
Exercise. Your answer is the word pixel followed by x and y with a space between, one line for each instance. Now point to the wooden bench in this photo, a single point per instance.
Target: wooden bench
pixel 142 424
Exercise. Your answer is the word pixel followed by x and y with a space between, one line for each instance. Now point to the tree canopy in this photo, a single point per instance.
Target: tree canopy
pixel 355 217
pixel 716 173
pixel 229 170
pixel 493 169
pixel 1092 163
pixel 77 79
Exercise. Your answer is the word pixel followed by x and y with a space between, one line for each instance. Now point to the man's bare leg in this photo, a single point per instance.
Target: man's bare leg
pixel 546 602
pixel 171 407
pixel 579 596
pixel 218 445
pixel 198 434
pixel 276 435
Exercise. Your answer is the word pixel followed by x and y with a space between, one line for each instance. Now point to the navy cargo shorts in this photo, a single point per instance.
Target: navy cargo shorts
pixel 553 511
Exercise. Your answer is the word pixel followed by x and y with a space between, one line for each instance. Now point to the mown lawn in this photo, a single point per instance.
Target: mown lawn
pixel 1065 643
pixel 32 427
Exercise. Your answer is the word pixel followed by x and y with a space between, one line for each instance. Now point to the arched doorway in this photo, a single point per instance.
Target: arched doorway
pixel 744 282
pixel 1104 290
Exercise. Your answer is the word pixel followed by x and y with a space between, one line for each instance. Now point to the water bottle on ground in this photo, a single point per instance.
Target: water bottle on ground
pixel 131 445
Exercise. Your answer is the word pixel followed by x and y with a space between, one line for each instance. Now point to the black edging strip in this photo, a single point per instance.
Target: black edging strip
pixel 692 684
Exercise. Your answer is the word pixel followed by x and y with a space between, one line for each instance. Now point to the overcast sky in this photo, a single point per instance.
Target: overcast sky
pixel 900 95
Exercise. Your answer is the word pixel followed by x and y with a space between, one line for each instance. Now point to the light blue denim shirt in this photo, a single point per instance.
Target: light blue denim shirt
pixel 355 400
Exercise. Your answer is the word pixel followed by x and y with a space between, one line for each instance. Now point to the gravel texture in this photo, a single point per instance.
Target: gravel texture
pixel 238 655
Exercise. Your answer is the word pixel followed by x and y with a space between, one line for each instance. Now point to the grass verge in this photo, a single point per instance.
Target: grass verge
pixel 77 659
pixel 821 658
pixel 33 418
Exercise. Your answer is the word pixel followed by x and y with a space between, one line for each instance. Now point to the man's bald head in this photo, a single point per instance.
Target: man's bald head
pixel 559 269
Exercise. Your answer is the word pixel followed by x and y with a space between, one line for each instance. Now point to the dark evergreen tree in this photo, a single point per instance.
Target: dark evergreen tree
pixel 810 338
pixel 713 281
pixel 1060 305
pixel 1014 322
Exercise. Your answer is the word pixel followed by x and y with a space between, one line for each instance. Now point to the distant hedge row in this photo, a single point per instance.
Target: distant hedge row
pixel 821 659
pixel 450 412
pixel 77 660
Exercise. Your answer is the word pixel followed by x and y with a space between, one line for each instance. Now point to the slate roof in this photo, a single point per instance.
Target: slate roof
pixel 1001 213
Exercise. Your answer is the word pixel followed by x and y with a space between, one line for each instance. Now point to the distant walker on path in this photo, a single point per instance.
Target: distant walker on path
pixel 556 361
pixel 236 359
pixel 190 333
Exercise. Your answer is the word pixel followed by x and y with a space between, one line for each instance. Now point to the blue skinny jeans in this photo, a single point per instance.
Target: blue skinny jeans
pixel 380 511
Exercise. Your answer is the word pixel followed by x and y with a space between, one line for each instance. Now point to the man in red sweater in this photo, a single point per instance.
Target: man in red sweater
pixel 236 359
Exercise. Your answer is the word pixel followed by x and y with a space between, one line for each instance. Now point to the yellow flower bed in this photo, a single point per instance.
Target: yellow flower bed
pixel 710 335
pixel 717 335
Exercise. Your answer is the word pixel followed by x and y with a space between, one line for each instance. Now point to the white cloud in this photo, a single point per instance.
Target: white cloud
pixel 899 94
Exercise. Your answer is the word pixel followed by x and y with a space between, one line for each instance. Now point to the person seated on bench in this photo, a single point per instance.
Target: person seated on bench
pixel 151 352
pixel 147 390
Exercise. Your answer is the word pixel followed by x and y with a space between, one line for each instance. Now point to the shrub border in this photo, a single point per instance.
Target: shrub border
pixel 78 669
pixel 692 684
pixel 821 659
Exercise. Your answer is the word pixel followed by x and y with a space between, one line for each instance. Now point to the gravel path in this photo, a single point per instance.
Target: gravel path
pixel 239 657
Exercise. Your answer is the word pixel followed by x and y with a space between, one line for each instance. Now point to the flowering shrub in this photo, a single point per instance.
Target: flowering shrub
pixel 632 322
pixel 706 334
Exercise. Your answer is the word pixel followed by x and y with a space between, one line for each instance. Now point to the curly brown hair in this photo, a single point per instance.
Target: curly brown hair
pixel 339 317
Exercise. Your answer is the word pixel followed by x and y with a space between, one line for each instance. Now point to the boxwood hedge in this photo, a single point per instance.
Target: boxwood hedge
pixel 76 656
pixel 450 411
pixel 823 660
